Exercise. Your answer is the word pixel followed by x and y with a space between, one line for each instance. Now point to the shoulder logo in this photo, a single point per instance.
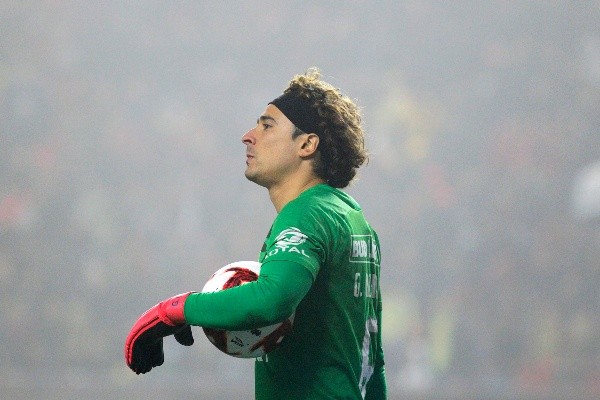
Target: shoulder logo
pixel 290 237
pixel 288 241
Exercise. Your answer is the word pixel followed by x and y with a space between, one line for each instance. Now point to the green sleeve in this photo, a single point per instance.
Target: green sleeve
pixel 272 298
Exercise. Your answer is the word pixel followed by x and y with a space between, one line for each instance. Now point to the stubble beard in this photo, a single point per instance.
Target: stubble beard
pixel 255 178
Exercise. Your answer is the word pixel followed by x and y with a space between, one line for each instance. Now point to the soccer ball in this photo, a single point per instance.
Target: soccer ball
pixel 243 344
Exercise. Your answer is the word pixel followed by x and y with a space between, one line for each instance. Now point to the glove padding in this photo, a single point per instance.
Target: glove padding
pixel 144 344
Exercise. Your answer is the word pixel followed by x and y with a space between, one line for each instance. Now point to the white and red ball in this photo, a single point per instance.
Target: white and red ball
pixel 243 344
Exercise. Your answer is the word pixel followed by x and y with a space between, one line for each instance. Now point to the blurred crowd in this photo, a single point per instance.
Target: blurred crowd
pixel 121 179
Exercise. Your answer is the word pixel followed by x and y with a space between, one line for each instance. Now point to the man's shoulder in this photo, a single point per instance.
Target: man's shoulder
pixel 322 197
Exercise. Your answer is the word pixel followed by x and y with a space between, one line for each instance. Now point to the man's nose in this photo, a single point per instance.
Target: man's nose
pixel 248 137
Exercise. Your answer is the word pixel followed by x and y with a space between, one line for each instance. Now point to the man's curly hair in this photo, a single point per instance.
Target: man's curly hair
pixel 341 140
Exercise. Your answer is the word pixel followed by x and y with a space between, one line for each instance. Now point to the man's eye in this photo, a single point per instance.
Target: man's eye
pixel 266 126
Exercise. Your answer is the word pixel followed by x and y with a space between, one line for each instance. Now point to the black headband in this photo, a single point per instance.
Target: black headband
pixel 298 110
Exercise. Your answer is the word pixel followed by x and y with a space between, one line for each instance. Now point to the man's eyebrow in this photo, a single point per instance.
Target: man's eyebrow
pixel 264 118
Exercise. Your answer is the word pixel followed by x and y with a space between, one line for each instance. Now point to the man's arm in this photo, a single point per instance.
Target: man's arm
pixel 272 298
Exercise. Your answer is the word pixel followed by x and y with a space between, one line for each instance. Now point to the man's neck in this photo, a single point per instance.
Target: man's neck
pixel 287 191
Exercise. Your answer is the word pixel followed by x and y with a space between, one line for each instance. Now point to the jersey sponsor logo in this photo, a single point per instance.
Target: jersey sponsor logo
pixel 364 250
pixel 290 237
pixel 288 241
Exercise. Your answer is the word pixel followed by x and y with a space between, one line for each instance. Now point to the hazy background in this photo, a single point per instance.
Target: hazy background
pixel 121 183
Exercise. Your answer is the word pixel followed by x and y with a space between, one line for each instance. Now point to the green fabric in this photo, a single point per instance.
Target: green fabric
pixel 376 388
pixel 268 300
pixel 335 348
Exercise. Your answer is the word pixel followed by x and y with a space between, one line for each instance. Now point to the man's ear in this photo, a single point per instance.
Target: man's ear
pixel 309 142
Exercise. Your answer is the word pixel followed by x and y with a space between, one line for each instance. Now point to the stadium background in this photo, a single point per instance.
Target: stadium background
pixel 121 183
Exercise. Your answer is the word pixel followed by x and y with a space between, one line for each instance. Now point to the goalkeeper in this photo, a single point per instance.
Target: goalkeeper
pixel 320 259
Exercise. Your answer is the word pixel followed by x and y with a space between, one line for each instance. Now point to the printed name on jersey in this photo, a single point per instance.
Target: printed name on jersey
pixel 364 249
pixel 365 285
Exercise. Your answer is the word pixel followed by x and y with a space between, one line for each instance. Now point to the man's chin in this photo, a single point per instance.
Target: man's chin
pixel 251 177
pixel 255 178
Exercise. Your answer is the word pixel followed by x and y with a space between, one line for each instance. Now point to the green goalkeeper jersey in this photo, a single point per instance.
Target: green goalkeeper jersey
pixel 334 351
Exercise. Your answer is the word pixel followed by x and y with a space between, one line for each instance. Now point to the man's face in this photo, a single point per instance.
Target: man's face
pixel 271 153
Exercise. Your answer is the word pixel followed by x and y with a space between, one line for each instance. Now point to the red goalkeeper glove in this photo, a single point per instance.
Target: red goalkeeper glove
pixel 144 344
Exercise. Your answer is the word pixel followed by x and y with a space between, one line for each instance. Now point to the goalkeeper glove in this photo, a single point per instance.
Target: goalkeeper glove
pixel 144 344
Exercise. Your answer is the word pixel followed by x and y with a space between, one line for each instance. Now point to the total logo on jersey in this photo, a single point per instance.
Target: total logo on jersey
pixel 290 237
pixel 288 241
